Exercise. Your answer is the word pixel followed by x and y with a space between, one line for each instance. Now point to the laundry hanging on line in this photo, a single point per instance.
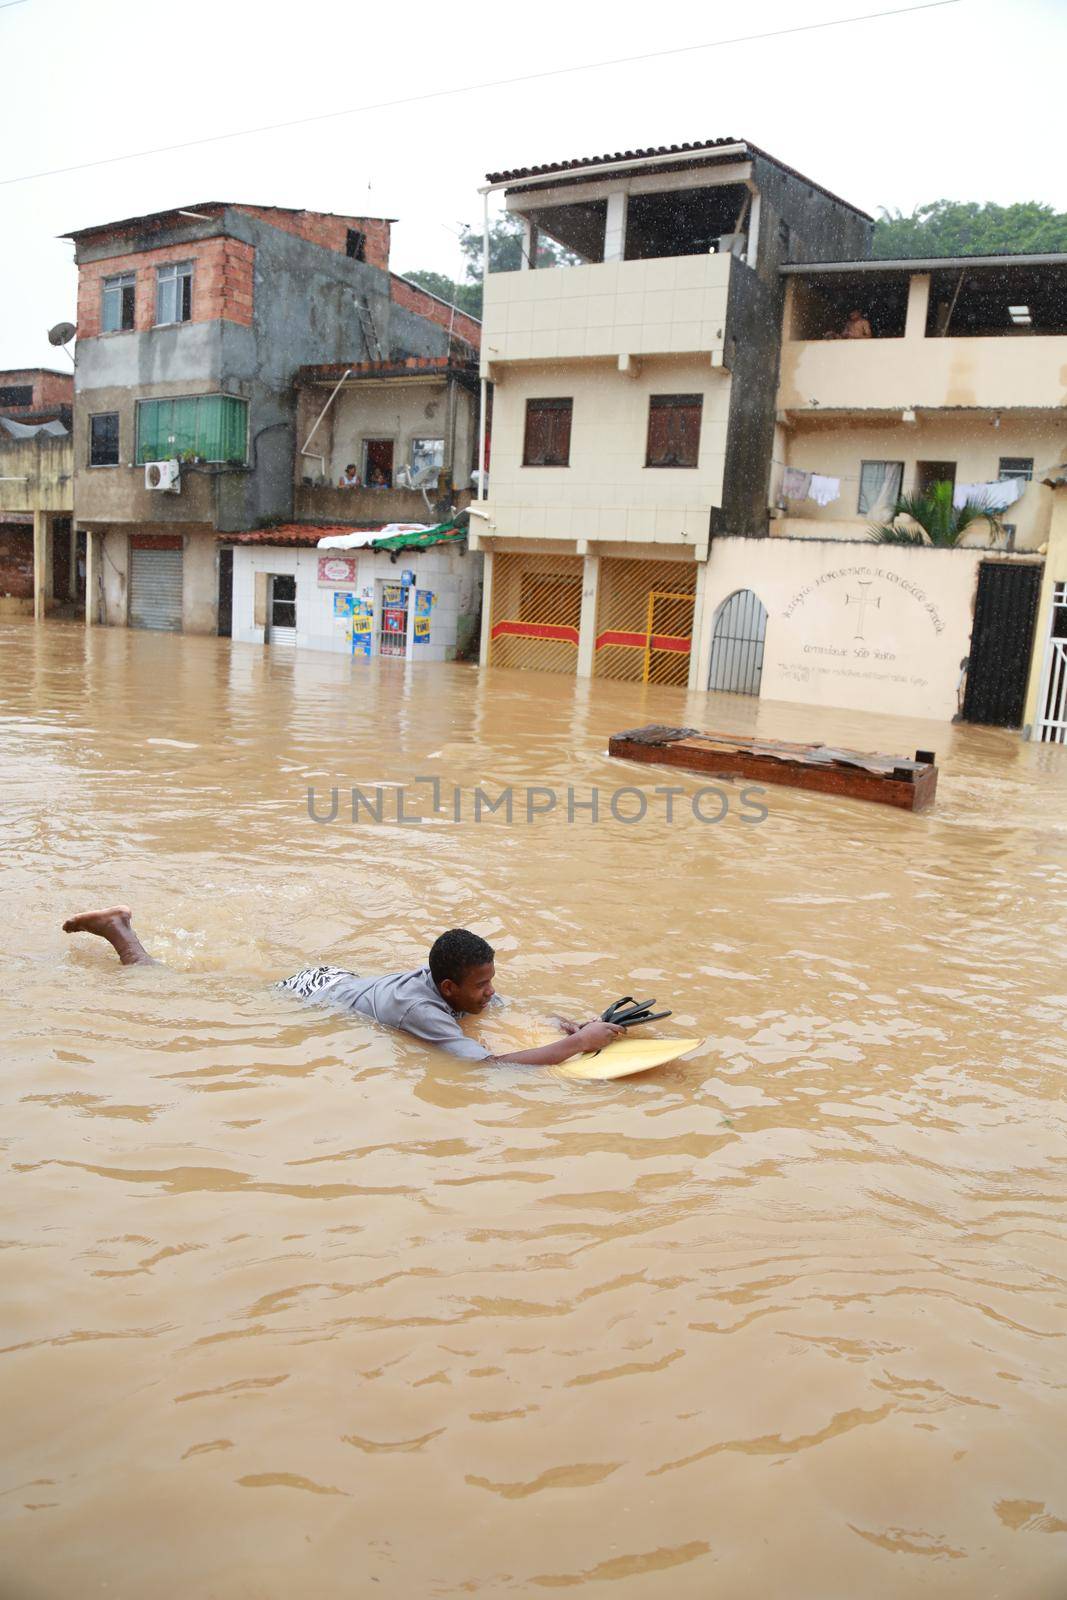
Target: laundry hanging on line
pixel 996 496
pixel 795 484
pixel 823 490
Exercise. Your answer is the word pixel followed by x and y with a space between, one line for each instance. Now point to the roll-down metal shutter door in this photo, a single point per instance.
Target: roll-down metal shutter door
pixel 156 589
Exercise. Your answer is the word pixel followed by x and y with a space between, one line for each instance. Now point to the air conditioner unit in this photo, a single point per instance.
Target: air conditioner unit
pixel 163 475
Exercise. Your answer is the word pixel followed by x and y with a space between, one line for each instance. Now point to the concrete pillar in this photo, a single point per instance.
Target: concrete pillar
pixel 529 245
pixel 72 559
pixel 918 303
pixel 40 562
pixel 587 625
pixel 700 648
pixel 1055 572
pixel 615 231
pixel 92 556
pixel 487 607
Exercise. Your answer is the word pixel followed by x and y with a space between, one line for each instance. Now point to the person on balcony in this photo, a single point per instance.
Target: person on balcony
pixel 349 478
pixel 856 326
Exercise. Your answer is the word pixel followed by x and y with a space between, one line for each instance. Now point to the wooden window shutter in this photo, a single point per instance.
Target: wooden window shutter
pixel 674 430
pixel 548 433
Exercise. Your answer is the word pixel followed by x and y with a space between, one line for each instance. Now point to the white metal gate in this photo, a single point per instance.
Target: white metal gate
pixel 155 588
pixel 1052 701
pixel 281 611
pixel 737 644
pixel 393 620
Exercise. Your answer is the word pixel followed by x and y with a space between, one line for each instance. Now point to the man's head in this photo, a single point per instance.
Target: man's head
pixel 855 316
pixel 350 470
pixel 461 965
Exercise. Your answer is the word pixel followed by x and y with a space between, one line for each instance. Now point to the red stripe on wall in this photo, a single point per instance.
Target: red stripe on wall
pixel 536 630
pixel 638 641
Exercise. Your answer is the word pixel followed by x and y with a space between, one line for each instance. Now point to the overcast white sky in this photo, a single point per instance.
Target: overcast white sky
pixel 960 101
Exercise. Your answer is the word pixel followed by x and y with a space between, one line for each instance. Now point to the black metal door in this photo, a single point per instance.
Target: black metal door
pixel 1001 643
pixel 225 594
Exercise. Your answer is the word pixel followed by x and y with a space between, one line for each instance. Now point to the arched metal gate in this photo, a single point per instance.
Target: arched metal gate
pixel 737 644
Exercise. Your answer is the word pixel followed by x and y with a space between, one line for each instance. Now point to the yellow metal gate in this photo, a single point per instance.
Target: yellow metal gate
pixel 644 626
pixel 536 612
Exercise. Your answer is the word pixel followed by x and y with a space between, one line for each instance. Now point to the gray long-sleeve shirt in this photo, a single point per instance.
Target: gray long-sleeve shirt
pixel 409 1001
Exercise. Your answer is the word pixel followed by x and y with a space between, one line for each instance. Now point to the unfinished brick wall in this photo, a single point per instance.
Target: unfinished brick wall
pixel 50 389
pixel 320 227
pixel 16 560
pixel 223 272
pixel 412 298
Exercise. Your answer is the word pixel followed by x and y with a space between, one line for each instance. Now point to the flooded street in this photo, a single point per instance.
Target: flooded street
pixel 295 1306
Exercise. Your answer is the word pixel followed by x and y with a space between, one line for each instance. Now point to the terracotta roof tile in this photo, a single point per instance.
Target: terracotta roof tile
pixel 295 533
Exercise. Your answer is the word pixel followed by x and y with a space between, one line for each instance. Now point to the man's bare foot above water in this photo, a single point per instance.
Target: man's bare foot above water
pixel 114 925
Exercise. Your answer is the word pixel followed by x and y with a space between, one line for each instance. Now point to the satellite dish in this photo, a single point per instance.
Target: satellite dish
pixel 62 333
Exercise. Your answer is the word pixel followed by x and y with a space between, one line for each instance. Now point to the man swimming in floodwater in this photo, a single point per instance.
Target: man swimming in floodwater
pixel 428 1003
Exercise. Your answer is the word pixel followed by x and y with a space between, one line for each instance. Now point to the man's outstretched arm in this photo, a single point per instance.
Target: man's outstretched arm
pixel 592 1036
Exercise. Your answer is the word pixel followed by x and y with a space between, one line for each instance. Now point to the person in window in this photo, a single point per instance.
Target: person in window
pixel 856 326
pixel 378 478
pixel 349 478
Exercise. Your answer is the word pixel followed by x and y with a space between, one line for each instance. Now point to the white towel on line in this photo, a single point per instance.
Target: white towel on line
pixel 822 489
pixel 996 496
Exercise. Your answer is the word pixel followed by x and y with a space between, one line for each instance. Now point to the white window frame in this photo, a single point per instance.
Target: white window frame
pixel 173 274
pixel 865 510
pixel 115 285
pixel 1008 474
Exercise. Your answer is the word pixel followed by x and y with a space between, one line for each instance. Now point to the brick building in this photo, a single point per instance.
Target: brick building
pixel 192 326
pixel 36 492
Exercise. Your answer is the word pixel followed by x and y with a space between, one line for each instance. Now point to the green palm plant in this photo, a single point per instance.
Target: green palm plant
pixel 933 519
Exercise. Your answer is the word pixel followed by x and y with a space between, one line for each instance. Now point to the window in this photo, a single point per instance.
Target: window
pixel 674 430
pixel 927 473
pixel 104 439
pixel 1016 467
pixel 212 426
pixel 116 312
pixel 548 433
pixel 378 463
pixel 880 483
pixel 282 600
pixel 427 459
pixel 16 394
pixel 356 245
pixel 174 293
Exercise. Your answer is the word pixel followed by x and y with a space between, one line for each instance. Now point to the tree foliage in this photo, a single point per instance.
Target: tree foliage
pixel 932 519
pixel 505 255
pixel 467 296
pixel 965 228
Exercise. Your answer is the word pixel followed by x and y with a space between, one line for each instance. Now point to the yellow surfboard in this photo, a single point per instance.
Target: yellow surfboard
pixel 620 1059
pixel 623 1058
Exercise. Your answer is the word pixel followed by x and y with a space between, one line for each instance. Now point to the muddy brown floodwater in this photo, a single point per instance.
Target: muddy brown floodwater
pixel 292 1306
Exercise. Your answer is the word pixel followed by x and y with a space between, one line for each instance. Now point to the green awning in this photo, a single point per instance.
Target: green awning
pixel 444 533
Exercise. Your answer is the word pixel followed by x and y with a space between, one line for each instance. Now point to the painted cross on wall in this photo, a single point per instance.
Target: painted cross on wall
pixel 862 600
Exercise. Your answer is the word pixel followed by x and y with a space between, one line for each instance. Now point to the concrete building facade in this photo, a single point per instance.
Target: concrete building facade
pixel 417 603
pixel 634 395
pixel 41 563
pixel 192 325
pixel 951 386
pixel 714 361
